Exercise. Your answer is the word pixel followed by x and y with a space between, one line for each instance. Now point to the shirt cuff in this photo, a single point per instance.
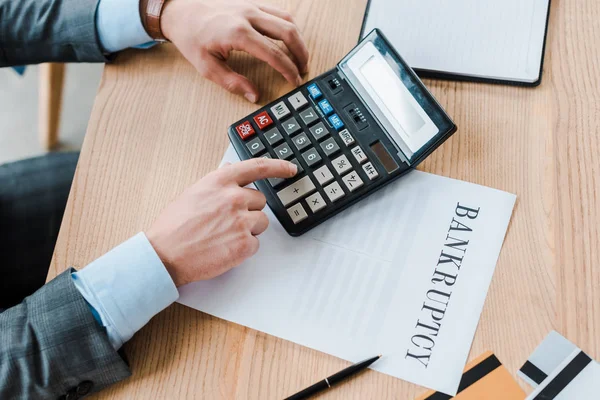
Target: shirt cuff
pixel 119 25
pixel 126 287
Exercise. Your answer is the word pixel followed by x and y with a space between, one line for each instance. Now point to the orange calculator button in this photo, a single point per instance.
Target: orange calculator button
pixel 263 120
pixel 245 130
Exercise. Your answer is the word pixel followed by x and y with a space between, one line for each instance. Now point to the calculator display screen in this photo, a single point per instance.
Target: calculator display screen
pixel 393 95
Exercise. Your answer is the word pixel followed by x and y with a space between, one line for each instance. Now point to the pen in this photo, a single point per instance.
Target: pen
pixel 333 379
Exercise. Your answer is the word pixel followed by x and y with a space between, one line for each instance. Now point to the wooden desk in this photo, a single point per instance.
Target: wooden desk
pixel 157 126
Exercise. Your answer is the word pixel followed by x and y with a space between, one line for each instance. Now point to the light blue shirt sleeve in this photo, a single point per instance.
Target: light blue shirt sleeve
pixel 119 25
pixel 126 287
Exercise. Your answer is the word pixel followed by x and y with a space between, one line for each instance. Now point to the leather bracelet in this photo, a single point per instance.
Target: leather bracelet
pixel 150 12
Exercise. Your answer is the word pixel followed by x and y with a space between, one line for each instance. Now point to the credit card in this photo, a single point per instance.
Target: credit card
pixel 484 378
pixel 577 377
pixel 546 358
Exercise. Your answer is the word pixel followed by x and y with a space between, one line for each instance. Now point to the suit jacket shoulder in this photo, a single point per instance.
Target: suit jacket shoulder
pixel 35 31
pixel 51 345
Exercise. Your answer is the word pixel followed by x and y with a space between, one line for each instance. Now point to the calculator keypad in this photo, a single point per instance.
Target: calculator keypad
pixel 330 147
pixel 336 122
pixel 273 136
pixel 352 181
pixel 347 137
pixel 301 141
pixel 255 146
pixel 291 126
pixel 370 171
pixel 297 213
pixel 297 100
pixel 296 190
pixel 323 175
pixel 359 154
pixel 284 152
pixel 319 131
pixel 334 191
pixel 245 130
pixel 298 129
pixel 325 106
pixel 311 157
pixel 316 202
pixel 314 91
pixel 341 165
pixel 276 182
pixel 263 120
pixel 280 110
pixel 309 116
pixel 298 165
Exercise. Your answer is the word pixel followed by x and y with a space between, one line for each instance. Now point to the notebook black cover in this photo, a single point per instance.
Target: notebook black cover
pixel 464 78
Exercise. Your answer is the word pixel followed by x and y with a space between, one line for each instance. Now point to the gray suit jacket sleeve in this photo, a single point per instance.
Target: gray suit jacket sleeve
pixel 35 31
pixel 51 345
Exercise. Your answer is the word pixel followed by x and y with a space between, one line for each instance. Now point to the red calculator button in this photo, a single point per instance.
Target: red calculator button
pixel 245 130
pixel 263 120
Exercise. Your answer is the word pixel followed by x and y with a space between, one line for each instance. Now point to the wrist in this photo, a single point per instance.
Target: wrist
pixel 151 16
pixel 161 252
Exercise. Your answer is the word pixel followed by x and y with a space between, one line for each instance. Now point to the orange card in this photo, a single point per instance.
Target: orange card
pixel 484 378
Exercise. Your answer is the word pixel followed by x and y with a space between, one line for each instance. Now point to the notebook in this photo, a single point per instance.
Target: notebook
pixel 499 41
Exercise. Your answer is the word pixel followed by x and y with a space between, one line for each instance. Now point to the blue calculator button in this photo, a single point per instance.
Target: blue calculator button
pixel 314 91
pixel 325 107
pixel 336 122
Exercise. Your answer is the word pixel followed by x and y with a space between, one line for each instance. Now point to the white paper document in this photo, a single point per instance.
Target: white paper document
pixel 498 39
pixel 403 273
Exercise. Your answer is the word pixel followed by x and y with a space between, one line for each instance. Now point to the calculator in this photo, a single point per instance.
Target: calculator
pixel 350 131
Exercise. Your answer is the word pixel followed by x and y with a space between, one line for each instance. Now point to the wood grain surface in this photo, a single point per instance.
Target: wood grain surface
pixel 157 127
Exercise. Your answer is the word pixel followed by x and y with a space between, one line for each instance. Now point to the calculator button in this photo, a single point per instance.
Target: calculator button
pixel 301 141
pixel 276 181
pixel 297 100
pixel 323 175
pixel 263 120
pixel 315 202
pixel 334 191
pixel 359 154
pixel 297 164
pixel 297 213
pixel 290 126
pixel 336 122
pixel 284 152
pixel 296 190
pixel 266 156
pixel 280 110
pixel 245 130
pixel 319 131
pixel 314 91
pixel 309 116
pixel 370 171
pixel 346 137
pixel 325 106
pixel 311 157
pixel 255 146
pixel 330 147
pixel 352 181
pixel 273 136
pixel 341 165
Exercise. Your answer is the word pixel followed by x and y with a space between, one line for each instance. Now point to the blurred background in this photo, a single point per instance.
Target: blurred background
pixel 19 96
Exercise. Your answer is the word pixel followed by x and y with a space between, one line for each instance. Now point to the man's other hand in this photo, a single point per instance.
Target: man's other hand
pixel 206 31
pixel 212 226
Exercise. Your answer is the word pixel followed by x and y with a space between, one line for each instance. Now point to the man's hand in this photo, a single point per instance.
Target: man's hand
pixel 206 31
pixel 212 226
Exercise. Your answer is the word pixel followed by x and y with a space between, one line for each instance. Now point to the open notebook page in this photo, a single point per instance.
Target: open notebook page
pixel 493 39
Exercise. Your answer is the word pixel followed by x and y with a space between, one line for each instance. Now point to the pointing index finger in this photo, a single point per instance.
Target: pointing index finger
pixel 246 172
